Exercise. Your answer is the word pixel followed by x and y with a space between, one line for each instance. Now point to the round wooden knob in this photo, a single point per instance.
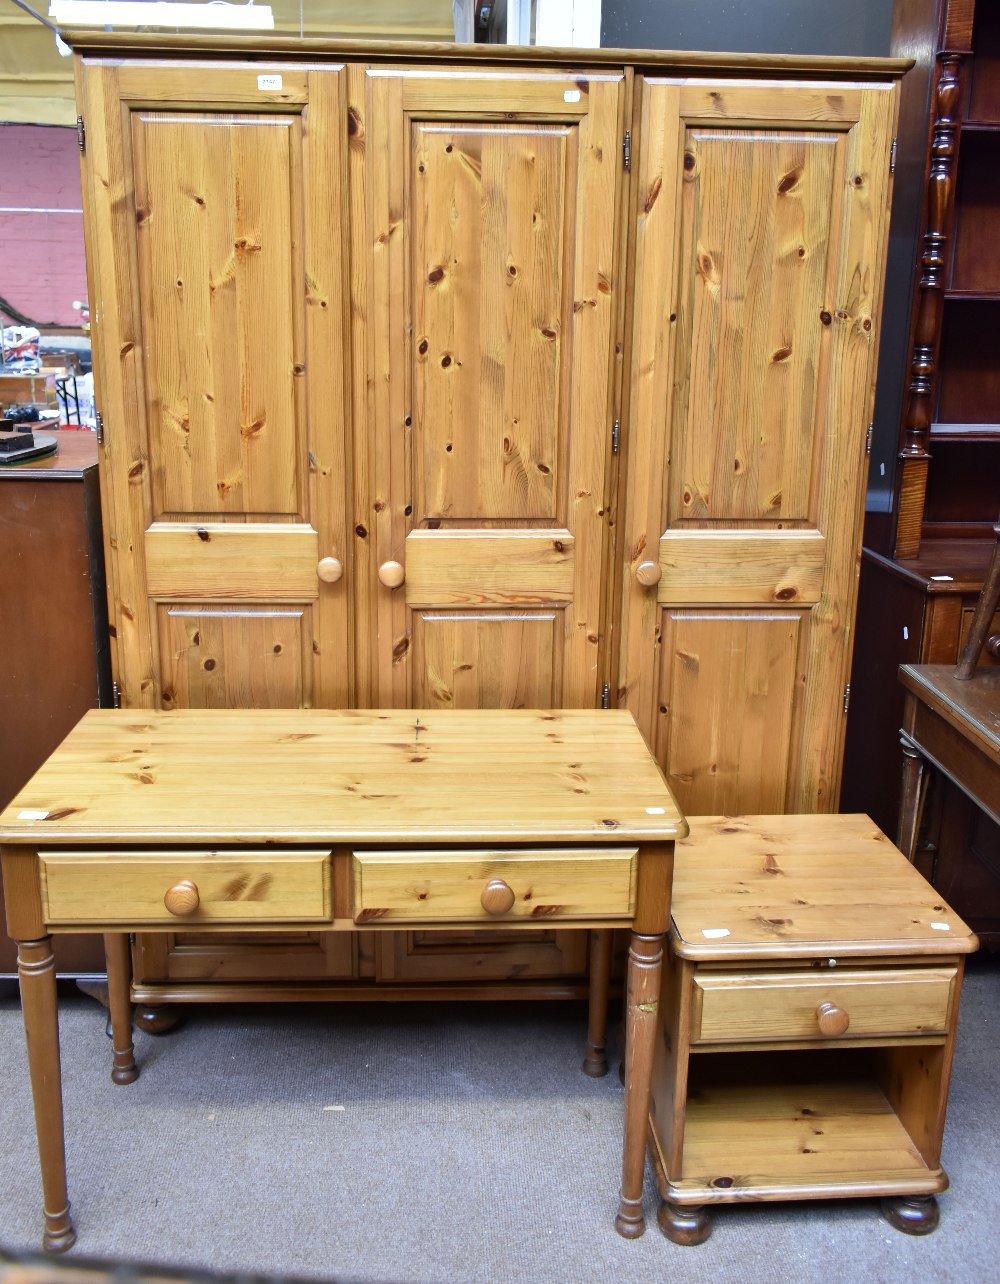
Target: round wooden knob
pixel 391 574
pixel 648 574
pixel 330 569
pixel 182 899
pixel 832 1019
pixel 497 897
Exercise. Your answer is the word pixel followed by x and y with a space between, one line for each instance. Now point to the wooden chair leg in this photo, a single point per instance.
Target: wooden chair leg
pixel 986 608
pixel 595 1063
pixel 36 969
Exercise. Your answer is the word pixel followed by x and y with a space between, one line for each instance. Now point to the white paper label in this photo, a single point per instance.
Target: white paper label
pixel 941 927
pixel 881 470
pixel 268 82
pixel 906 634
pixel 713 933
pixel 656 811
pixel 571 96
pixel 941 577
pixel 32 815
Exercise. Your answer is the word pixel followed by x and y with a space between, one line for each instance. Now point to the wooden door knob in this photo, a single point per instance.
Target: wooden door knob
pixel 648 574
pixel 391 574
pixel 832 1019
pixel 497 897
pixel 182 899
pixel 330 569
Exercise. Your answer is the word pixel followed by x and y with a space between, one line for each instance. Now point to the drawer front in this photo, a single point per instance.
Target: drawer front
pixel 493 886
pixel 203 887
pixel 798 1005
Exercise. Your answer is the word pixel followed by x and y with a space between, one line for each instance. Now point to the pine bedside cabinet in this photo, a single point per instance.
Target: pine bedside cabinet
pixel 807 1019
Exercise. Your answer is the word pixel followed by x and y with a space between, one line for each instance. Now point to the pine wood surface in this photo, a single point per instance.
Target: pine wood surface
pixel 803 887
pixel 741 1007
pixel 795 1141
pixel 435 886
pixel 768 501
pixel 248 776
pixel 248 46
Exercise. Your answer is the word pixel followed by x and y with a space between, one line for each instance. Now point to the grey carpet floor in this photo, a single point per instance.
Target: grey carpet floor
pixel 433 1143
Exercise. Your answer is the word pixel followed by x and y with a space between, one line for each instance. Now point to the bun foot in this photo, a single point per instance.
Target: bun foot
pixel 595 1063
pixel 59 1234
pixel 918 1215
pixel 684 1225
pixel 153 1019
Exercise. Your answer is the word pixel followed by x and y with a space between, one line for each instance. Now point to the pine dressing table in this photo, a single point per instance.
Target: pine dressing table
pixel 273 818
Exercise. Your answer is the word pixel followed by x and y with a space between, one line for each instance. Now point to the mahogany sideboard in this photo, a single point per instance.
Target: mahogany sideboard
pixel 56 650
pixel 333 821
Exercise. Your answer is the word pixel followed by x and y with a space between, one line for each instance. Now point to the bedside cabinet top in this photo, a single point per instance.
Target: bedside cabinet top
pixel 776 887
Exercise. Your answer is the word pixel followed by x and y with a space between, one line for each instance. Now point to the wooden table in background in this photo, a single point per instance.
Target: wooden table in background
pixel 289 818
pixel 954 727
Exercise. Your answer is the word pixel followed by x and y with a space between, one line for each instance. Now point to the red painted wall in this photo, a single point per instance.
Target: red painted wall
pixel 41 254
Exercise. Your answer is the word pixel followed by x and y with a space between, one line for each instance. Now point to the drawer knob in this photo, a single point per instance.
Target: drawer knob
pixel 182 899
pixel 497 897
pixel 832 1019
pixel 648 573
pixel 391 574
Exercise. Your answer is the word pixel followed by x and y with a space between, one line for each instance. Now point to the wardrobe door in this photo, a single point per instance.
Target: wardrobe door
pixel 761 227
pixel 216 219
pixel 486 302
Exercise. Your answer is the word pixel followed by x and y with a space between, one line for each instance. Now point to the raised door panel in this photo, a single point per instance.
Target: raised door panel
pixel 759 242
pixel 217 225
pixel 488 955
pixel 486 317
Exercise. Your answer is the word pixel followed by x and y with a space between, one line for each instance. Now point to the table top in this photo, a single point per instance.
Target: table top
pixel 972 707
pixel 76 453
pixel 223 776
pixel 770 887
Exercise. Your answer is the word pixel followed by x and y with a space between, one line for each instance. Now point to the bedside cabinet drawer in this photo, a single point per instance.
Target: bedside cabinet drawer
pixel 171 887
pixel 776 1005
pixel 488 885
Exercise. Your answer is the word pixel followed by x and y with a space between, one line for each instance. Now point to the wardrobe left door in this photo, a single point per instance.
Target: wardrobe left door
pixel 216 219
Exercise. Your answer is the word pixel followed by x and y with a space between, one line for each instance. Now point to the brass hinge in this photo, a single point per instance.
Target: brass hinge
pixel 606 696
pixel 892 157
pixel 627 149
pixel 847 697
pixel 81 135
pixel 616 433
pixel 99 424
pixel 116 695
pixel 868 438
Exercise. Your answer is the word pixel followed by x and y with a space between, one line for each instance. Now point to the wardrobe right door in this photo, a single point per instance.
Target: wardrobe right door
pixel 762 215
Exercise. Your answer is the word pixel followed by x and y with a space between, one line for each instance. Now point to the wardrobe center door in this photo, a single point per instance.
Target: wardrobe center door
pixel 216 219
pixel 762 219
pixel 486 316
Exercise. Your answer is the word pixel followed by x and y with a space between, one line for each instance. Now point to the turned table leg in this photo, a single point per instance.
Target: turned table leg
pixel 595 1063
pixel 645 964
pixel 36 969
pixel 116 952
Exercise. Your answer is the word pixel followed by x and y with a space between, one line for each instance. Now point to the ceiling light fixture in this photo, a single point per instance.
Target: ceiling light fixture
pixel 161 13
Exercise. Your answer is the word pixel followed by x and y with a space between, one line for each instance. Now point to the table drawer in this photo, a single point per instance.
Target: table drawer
pixel 490 885
pixel 796 1005
pixel 226 887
